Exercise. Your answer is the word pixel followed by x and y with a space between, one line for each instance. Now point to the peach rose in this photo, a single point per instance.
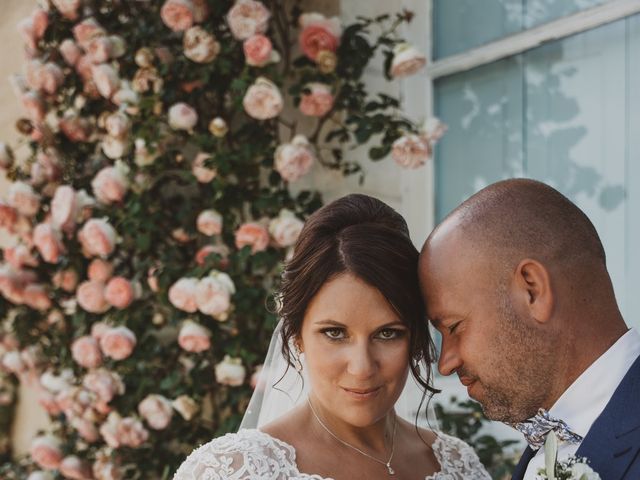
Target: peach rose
pixel 204 252
pixel 209 223
pixel 293 160
pixel 407 60
pixel 247 18
pixel 46 169
pixel 254 235
pixel 46 452
pixel 128 431
pixel 48 241
pixel 118 343
pixel 90 296
pixel 34 106
pixel 36 297
pixel 182 294
pixel 182 117
pixel 98 330
pixel 51 77
pixel 411 151
pixel 110 184
pixel 318 102
pixel 230 372
pixel 104 383
pixel 200 46
pixel 194 338
pixel 257 50
pixel 156 410
pixel 185 406
pixel 67 8
pixel 177 14
pixel 85 31
pixel 120 292
pixel 67 280
pixel 98 238
pixel 100 270
pixel 70 52
pixel 285 229
pixel 33 27
pixel 73 468
pixel 318 34
pixel 19 256
pixel 263 100
pixel 75 128
pixel 64 207
pixel 99 50
pixel 202 173
pixel 22 197
pixel 86 352
pixel 106 79
pixel 8 216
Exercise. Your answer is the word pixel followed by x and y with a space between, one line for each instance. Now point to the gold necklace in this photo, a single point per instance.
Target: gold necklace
pixel 393 437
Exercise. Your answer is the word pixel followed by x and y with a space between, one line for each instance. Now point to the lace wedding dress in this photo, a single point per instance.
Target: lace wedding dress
pixel 251 454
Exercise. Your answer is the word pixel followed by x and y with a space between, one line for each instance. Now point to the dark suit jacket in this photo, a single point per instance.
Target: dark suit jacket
pixel 612 444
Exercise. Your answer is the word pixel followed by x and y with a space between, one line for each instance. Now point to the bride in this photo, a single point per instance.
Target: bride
pixel 333 402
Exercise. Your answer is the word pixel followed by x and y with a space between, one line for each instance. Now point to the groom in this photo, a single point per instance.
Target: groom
pixel 515 280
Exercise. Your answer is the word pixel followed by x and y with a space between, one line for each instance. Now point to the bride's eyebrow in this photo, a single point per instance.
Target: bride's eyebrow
pixel 333 323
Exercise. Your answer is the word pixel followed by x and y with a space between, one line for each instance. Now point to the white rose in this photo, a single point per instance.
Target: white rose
pixel 182 117
pixel 185 406
pixel 581 471
pixel 213 295
pixel 286 228
pixel 209 223
pixel 230 372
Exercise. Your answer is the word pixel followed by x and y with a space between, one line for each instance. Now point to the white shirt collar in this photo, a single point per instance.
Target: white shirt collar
pixel 583 402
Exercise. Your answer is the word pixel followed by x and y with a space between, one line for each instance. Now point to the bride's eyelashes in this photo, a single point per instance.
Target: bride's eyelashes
pixel 337 334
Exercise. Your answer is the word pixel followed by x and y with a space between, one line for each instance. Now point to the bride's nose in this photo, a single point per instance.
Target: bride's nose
pixel 361 362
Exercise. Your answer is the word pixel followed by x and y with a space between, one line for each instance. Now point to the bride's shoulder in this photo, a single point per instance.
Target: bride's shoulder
pixel 239 455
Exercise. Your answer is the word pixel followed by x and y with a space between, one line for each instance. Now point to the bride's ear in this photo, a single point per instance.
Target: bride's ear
pixel 533 285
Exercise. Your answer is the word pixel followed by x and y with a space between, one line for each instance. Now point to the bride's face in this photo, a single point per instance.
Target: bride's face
pixel 356 351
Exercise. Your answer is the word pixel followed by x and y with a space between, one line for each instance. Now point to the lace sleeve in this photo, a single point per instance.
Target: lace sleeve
pixel 458 461
pixel 245 455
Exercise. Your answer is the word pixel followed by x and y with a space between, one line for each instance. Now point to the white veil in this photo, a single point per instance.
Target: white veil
pixel 281 387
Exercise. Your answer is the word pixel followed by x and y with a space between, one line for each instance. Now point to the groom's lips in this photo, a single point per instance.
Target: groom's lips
pixel 467 381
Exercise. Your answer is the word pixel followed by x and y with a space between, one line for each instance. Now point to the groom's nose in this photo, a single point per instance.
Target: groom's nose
pixel 449 360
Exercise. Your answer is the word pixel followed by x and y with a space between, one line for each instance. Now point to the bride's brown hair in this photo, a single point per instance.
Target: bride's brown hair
pixel 365 237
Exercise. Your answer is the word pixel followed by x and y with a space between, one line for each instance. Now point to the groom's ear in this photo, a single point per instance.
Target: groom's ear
pixel 534 285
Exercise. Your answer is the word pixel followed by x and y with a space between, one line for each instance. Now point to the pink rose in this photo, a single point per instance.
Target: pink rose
pixel 120 292
pixel 213 295
pixel 407 60
pixel 104 383
pixel 46 452
pixel 75 128
pixel 98 238
pixel 86 429
pixel 318 102
pixel 73 468
pixel 86 352
pixel 182 117
pixel 20 256
pixel 156 410
pixel 126 431
pixel 257 50
pixel 99 270
pixel 263 100
pixel 194 337
pixel 86 31
pixel 48 241
pixel 68 8
pixel 106 79
pixel 182 294
pixel 285 229
pixel 411 151
pixel 34 106
pixel 230 372
pixel 118 343
pixel 99 50
pixel 64 207
pixel 90 296
pixel 51 77
pixel 200 46
pixel 70 52
pixel 46 169
pixel 209 222
pixel 110 185
pixel 105 469
pixel 33 27
pixel 254 235
pixel 67 280
pixel 293 160
pixel 200 171
pixel 36 297
pixel 247 18
pixel 98 330
pixel 177 14
pixel 319 34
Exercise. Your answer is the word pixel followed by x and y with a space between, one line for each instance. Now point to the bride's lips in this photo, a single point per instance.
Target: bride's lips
pixel 362 393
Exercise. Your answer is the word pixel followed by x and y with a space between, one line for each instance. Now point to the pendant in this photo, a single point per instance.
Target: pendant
pixel 391 470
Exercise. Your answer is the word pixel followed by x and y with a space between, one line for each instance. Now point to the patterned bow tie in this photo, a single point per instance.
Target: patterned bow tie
pixel 535 429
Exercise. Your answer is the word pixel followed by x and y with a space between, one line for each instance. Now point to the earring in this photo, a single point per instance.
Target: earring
pixel 298 362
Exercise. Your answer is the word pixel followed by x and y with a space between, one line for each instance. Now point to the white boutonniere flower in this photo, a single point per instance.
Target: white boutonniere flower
pixel 573 468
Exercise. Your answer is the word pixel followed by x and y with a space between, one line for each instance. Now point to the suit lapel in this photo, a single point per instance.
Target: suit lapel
pixel 521 468
pixel 613 441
